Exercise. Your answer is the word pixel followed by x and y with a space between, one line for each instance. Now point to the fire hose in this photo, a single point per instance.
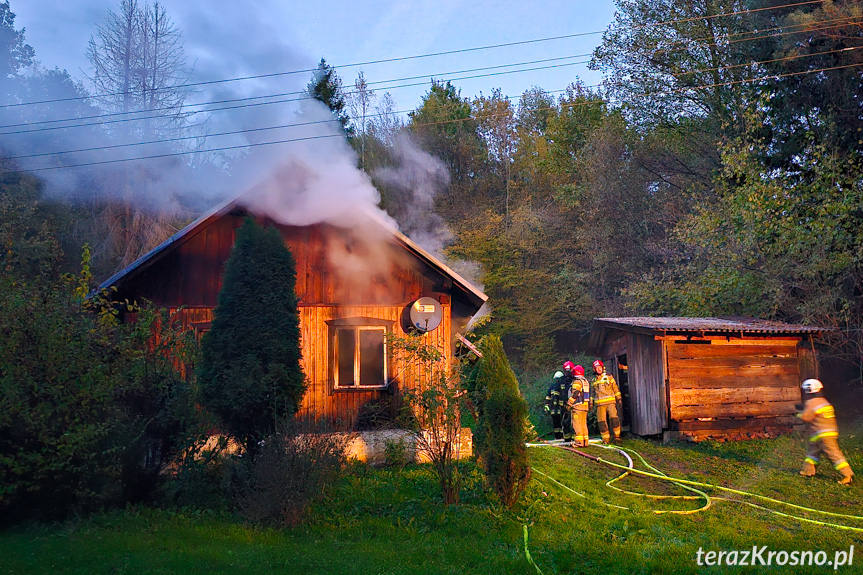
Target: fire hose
pixel 685 483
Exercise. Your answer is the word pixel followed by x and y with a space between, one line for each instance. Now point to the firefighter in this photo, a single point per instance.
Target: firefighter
pixel 579 405
pixel 565 387
pixel 606 396
pixel 554 405
pixel 823 433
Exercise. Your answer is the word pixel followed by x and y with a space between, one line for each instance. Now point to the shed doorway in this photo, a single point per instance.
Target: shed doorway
pixel 623 384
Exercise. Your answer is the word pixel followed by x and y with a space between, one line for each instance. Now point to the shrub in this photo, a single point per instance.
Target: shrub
pixel 502 426
pixel 289 472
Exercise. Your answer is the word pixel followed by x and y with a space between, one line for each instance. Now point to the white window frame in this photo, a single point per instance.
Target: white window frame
pixel 358 325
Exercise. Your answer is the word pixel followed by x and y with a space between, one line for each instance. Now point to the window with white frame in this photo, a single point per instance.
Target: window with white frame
pixel 359 353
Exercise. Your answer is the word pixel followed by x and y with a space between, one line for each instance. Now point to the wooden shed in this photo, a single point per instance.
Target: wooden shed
pixel 354 284
pixel 707 377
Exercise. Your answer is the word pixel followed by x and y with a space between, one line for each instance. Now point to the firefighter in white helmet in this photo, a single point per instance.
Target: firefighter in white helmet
pixel 818 413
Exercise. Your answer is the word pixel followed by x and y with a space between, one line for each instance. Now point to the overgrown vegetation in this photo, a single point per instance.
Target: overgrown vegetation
pixel 392 521
pixel 91 411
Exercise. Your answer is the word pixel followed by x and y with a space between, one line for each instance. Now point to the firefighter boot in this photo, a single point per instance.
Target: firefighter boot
pixel 603 431
pixel 808 467
pixel 615 428
pixel 846 472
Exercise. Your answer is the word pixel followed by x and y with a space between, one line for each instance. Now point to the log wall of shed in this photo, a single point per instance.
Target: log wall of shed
pixel 732 380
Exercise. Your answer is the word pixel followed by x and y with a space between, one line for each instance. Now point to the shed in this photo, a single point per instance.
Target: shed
pixel 707 377
pixel 354 285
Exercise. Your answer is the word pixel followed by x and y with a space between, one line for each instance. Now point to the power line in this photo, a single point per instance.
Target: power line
pixel 419 56
pixel 333 120
pixel 279 95
pixel 306 97
pixel 290 140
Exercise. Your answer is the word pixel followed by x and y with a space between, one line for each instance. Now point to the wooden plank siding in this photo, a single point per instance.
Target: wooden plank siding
pixel 187 279
pixel 732 380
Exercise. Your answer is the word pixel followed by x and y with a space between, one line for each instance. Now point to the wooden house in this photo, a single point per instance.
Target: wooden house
pixel 354 284
pixel 706 377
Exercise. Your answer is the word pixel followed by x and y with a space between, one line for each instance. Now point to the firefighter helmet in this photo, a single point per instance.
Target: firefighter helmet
pixel 568 366
pixel 579 370
pixel 598 363
pixel 812 386
pixel 558 374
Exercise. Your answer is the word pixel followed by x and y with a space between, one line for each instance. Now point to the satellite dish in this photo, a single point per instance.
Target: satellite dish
pixel 426 314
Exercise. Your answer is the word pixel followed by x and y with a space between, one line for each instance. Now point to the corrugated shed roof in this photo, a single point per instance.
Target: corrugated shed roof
pixel 709 324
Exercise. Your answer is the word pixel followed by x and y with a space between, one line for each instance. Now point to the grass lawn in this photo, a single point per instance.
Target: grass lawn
pixel 392 521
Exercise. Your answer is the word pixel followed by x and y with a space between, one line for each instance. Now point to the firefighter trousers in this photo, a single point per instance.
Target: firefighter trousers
pixel 830 447
pixel 606 417
pixel 579 425
pixel 557 425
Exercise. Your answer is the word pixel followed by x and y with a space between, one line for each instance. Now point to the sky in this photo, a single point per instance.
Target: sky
pixel 226 38
pixel 289 150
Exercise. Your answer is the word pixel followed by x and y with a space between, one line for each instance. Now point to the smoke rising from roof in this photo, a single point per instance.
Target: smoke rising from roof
pixel 312 179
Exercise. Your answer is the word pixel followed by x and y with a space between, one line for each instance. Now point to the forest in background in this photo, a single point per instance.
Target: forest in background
pixel 715 172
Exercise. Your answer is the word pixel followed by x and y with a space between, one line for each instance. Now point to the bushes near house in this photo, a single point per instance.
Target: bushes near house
pixel 502 425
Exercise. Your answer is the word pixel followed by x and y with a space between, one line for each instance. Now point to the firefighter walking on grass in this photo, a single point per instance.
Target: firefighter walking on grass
pixel 823 434
pixel 606 396
pixel 578 405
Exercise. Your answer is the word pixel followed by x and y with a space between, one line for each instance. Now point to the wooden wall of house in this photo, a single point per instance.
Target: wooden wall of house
pixel 335 266
pixel 720 385
pixel 322 404
pixel 646 385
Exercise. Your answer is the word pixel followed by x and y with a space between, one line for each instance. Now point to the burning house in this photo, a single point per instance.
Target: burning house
pixel 355 284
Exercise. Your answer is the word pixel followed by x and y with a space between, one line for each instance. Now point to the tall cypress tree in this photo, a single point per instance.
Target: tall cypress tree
pixel 250 375
pixel 502 424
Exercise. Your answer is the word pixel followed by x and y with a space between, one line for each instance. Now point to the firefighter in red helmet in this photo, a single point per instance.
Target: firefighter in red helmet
pixel 578 405
pixel 606 396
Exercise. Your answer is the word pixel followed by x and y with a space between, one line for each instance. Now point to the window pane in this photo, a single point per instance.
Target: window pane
pixel 372 357
pixel 346 342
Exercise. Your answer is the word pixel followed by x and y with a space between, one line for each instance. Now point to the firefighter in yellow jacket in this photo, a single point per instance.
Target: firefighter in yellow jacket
pixel 823 433
pixel 606 396
pixel 578 405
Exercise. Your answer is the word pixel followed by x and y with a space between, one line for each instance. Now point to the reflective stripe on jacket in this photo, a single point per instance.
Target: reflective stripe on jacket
pixel 819 414
pixel 605 390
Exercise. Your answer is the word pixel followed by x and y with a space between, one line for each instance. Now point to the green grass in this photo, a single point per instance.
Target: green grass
pixel 389 521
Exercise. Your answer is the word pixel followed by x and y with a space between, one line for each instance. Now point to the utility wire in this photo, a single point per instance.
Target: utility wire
pixel 306 97
pixel 418 56
pixel 270 143
pixel 282 94
pixel 334 120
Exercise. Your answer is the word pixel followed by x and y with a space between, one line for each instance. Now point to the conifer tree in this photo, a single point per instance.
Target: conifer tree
pixel 250 375
pixel 502 424
pixel 326 86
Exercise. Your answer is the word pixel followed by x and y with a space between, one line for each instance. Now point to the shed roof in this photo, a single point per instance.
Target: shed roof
pixel 748 325
pixel 732 326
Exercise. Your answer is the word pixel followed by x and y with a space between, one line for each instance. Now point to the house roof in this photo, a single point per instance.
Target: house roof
pixel 474 294
pixel 739 326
